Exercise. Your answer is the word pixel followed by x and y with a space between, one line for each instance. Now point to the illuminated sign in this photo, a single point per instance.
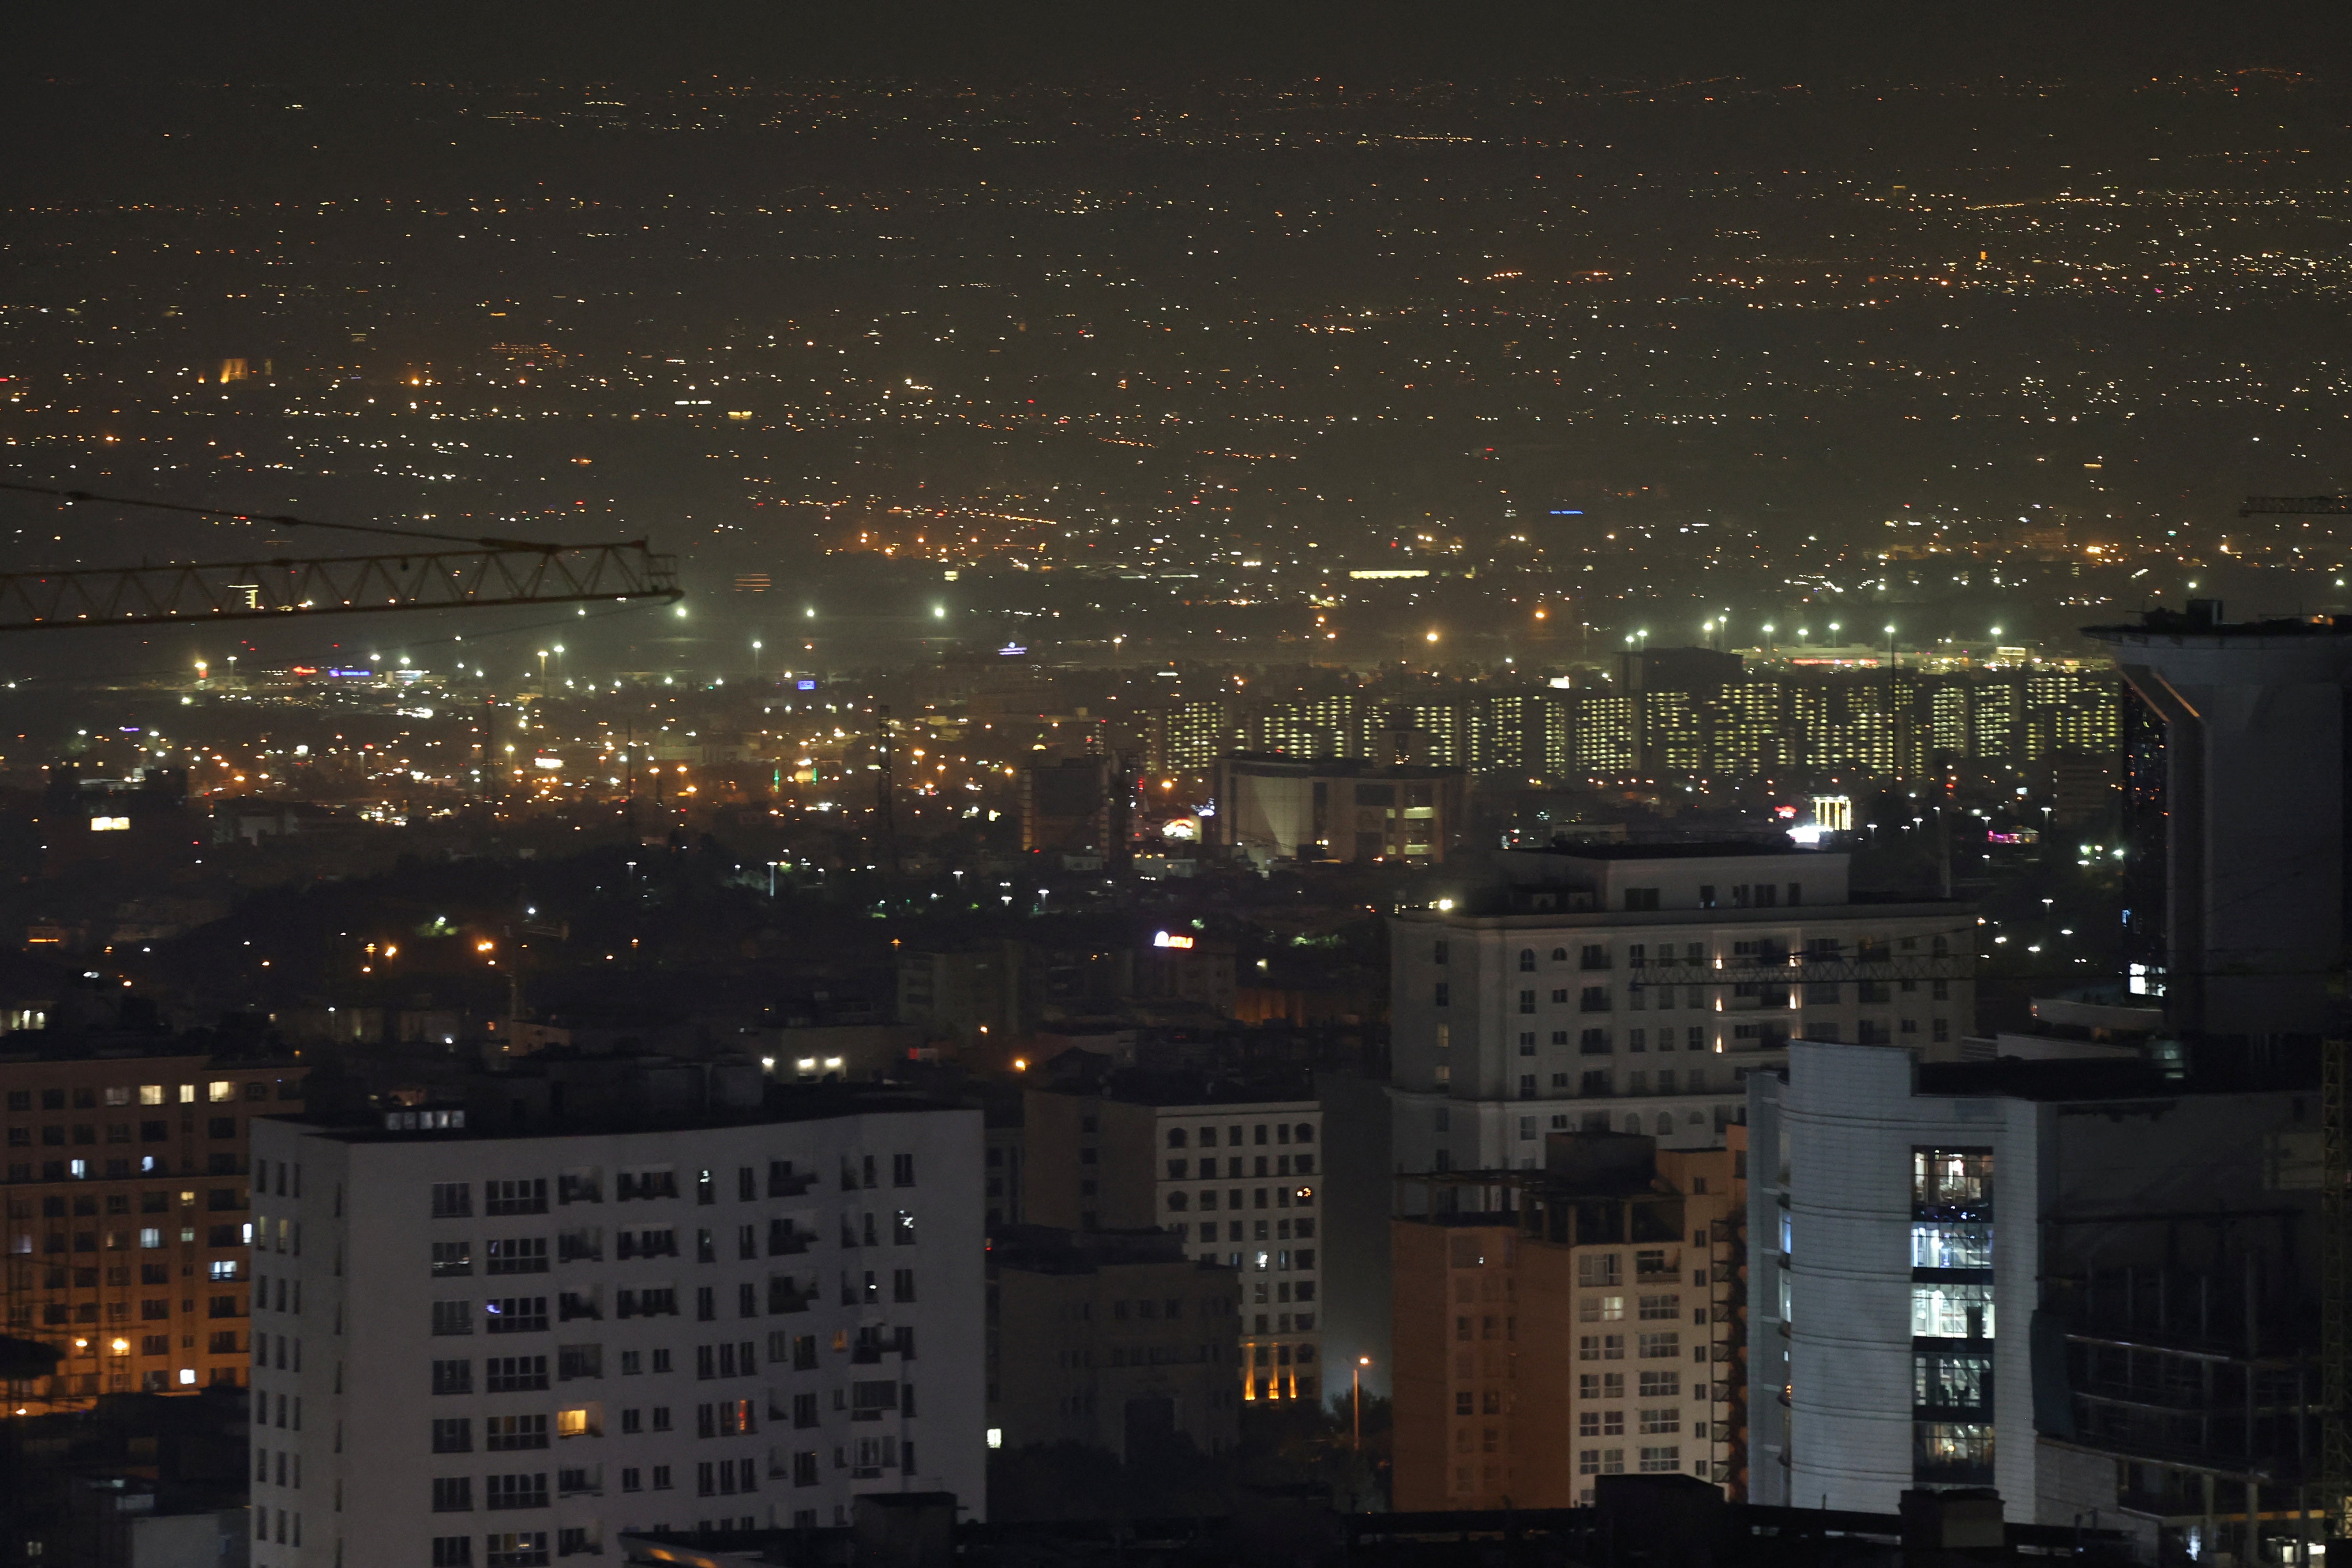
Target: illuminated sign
pixel 805 684
pixel 1380 575
pixel 549 763
pixel 1011 650
pixel 2022 835
pixel 115 824
pixel 351 674
pixel 1172 939
pixel 1569 511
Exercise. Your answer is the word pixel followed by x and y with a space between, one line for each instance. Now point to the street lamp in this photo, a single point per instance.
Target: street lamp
pixel 1357 1381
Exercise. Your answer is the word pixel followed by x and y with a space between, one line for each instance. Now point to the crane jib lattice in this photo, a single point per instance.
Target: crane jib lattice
pixel 270 586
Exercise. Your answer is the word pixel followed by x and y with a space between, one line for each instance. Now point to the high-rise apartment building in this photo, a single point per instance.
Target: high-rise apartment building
pixel 1556 1326
pixel 2086 1283
pixel 485 1346
pixel 1233 1169
pixel 1333 726
pixel 1188 736
pixel 1604 736
pixel 1506 734
pixel 1633 987
pixel 128 1209
pixel 2245 797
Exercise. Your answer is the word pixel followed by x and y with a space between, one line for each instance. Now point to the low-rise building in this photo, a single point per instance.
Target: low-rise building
pixel 1231 1168
pixel 1331 808
pixel 1117 1340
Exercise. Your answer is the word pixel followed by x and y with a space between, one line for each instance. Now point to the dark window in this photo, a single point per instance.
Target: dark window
pixel 516 1374
pixel 515 1197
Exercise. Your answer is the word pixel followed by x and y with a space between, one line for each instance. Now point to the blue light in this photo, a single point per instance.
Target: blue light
pixel 805 684
pixel 1558 512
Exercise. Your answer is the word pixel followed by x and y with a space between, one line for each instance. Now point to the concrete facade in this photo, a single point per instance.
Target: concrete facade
pixel 1116 1340
pixel 2087 1283
pixel 1836 1296
pixel 128 1203
pixel 478 1349
pixel 1125 1162
pixel 2253 782
pixel 1634 990
pixel 1575 1333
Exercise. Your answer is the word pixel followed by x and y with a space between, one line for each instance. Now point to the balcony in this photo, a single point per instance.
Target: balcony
pixel 579 1189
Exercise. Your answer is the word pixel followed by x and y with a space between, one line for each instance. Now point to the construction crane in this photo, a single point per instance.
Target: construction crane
pixel 477 574
pixel 2295 506
pixel 275 586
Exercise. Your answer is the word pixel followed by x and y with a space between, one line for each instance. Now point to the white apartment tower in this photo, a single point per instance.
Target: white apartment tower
pixel 480 1351
pixel 1632 988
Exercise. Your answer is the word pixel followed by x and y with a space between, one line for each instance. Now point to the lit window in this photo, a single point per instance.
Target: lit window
pixel 219 1090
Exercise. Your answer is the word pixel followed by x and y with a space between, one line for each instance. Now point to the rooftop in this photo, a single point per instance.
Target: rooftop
pixel 1047 1249
pixel 1283 762
pixel 1702 850
pixel 2202 618
pixel 779 1104
pixel 1163 1089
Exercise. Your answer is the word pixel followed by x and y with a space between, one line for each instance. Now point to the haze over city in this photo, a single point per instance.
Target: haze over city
pixel 1574 637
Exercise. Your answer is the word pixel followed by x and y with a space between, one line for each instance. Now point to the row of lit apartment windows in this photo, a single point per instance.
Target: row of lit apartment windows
pixel 145 1238
pixel 217 1091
